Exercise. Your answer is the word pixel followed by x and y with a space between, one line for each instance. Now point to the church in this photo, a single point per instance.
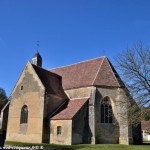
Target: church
pixel 85 102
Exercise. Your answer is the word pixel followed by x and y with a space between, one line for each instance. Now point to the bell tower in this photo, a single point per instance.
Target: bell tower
pixel 37 60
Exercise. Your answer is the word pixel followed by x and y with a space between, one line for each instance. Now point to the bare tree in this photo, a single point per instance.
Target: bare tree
pixel 134 67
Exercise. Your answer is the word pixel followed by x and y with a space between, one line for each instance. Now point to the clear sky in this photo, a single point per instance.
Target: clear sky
pixel 69 31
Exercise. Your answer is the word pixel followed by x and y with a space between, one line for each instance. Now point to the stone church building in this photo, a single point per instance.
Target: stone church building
pixel 81 103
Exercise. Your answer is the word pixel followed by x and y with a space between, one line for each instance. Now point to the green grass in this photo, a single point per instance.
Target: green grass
pixel 82 146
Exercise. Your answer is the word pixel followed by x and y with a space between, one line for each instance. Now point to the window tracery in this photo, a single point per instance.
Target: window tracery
pixel 106 111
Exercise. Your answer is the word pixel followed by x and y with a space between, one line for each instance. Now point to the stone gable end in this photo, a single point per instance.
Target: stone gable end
pixel 28 91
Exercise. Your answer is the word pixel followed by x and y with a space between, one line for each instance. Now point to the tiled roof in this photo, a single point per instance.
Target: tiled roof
pixel 51 81
pixel 72 108
pixel 145 125
pixel 97 71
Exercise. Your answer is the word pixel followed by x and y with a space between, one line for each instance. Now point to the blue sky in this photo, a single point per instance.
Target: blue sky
pixel 69 31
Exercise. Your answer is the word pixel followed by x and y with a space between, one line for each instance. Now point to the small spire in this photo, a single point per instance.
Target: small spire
pixel 37 59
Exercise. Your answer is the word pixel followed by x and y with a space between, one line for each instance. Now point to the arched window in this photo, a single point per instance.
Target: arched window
pixel 24 115
pixel 106 111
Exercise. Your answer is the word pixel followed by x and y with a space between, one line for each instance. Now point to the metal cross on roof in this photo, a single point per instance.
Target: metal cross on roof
pixel 38 45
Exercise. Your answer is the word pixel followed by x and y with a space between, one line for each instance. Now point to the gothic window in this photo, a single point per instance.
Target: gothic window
pixel 24 115
pixel 58 130
pixel 106 111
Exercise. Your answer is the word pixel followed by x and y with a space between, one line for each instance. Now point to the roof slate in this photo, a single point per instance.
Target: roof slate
pixel 97 71
pixel 72 108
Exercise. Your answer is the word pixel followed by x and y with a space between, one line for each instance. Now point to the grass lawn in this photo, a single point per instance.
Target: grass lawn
pixel 81 146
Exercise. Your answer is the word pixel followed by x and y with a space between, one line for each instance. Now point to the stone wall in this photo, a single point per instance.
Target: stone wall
pixel 28 91
pixel 106 132
pixel 80 127
pixel 66 134
pixel 126 136
pixel 119 131
pixel 87 92
pixel 79 92
pixel 50 105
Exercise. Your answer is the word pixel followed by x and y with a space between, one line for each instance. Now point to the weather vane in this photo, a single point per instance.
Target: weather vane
pixel 38 45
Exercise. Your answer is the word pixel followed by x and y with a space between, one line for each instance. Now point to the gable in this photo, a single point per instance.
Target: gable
pixel 27 77
pixel 97 72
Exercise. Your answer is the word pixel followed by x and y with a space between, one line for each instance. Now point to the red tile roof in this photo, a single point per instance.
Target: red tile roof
pixel 51 81
pixel 74 105
pixel 97 71
pixel 145 125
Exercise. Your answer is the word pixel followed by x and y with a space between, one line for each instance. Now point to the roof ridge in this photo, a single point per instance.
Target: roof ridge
pixel 98 70
pixel 77 63
pixel 113 72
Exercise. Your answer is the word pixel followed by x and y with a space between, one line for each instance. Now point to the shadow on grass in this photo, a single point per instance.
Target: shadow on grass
pixel 146 143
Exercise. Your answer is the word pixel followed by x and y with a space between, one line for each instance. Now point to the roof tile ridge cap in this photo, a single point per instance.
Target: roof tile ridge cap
pixel 76 63
pixel 99 69
pixel 113 72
